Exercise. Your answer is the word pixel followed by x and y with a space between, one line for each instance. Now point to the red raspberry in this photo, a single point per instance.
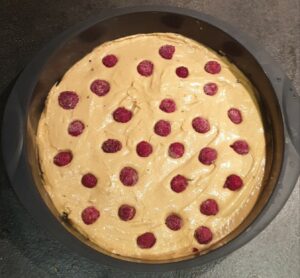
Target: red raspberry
pixel 200 125
pixel 89 215
pixel 126 212
pixel 76 128
pixel 129 176
pixel 111 146
pixel 100 87
pixel 235 115
pixel 212 67
pixel 233 182
pixel 203 235
pixel 210 89
pixel 179 183
pixel 68 100
pixel 167 51
pixel 63 158
pixel 162 128
pixel 167 105
pixel 109 60
pixel 207 156
pixel 182 72
pixel 145 68
pixel 146 240
pixel 122 115
pixel 240 147
pixel 176 150
pixel 209 207
pixel 174 222
pixel 144 149
pixel 89 180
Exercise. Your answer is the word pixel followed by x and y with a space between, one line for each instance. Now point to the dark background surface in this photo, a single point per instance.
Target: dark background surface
pixel 27 250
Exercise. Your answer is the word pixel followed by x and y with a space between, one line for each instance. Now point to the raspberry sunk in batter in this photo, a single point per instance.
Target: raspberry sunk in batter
pixel 210 88
pixel 209 207
pixel 212 67
pixel 68 100
pixel 100 87
pixel 167 51
pixel 129 176
pixel 110 60
pixel 63 158
pixel 176 150
pixel 179 183
pixel 144 149
pixel 111 146
pixel 75 128
pixel 233 182
pixel 90 215
pixel 126 212
pixel 162 128
pixel 174 222
pixel 122 115
pixel 240 147
pixel 146 240
pixel 203 235
pixel 207 156
pixel 89 180
pixel 145 68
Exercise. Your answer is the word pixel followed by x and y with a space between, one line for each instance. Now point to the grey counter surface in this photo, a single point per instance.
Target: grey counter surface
pixel 27 250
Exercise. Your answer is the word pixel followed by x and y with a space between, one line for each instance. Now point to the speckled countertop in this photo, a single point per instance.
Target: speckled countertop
pixel 27 250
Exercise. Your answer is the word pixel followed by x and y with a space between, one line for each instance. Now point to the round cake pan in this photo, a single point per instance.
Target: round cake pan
pixel 278 102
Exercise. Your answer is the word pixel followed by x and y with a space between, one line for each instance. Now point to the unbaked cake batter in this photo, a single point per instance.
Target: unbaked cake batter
pixel 153 146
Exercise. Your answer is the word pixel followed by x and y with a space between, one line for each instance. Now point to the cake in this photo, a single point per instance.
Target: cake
pixel 152 146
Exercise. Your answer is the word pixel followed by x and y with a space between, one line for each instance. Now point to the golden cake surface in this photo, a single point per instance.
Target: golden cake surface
pixel 153 146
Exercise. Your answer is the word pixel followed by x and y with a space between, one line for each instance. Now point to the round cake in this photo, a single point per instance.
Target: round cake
pixel 153 147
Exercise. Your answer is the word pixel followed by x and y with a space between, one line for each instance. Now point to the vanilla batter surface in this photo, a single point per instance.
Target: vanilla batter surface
pixel 152 196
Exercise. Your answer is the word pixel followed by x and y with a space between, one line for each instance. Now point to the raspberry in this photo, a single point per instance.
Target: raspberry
pixel 235 115
pixel 68 100
pixel 167 105
pixel 167 51
pixel 233 182
pixel 200 125
pixel 89 215
pixel 63 158
pixel 111 146
pixel 126 212
pixel 210 89
pixel 100 87
pixel 207 156
pixel 145 68
pixel 76 128
pixel 179 183
pixel 209 207
pixel 129 176
pixel 240 147
pixel 203 235
pixel 162 128
pixel 146 240
pixel 144 149
pixel 182 72
pixel 89 180
pixel 122 115
pixel 109 60
pixel 176 150
pixel 212 67
pixel 174 222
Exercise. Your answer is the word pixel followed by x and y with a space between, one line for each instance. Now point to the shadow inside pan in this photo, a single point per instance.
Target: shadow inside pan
pixel 81 44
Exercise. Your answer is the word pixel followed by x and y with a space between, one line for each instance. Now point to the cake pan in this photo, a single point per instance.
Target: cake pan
pixel 278 102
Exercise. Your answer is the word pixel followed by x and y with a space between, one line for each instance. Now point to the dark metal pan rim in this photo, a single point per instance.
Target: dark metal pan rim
pixel 15 154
